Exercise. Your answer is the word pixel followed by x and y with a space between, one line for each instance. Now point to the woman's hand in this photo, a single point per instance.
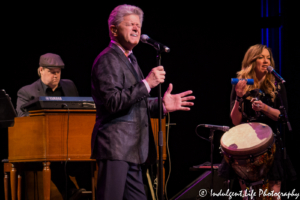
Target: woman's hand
pixel 240 88
pixel 272 113
pixel 258 105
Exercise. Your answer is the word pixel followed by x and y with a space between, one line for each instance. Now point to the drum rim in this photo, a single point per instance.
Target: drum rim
pixel 248 155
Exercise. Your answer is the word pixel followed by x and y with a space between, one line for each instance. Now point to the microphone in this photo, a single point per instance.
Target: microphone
pixel 158 46
pixel 216 127
pixel 234 81
pixel 277 76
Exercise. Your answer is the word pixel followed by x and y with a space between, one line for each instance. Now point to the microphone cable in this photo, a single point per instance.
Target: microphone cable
pixel 169 155
pixel 169 160
pixel 200 135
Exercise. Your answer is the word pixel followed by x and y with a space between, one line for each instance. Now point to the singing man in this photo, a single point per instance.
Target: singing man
pixel 122 138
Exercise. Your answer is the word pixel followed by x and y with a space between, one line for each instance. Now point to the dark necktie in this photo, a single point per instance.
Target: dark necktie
pixel 135 65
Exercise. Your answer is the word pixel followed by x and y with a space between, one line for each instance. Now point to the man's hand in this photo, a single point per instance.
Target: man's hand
pixel 156 76
pixel 175 102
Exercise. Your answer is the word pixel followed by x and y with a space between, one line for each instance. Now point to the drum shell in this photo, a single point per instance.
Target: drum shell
pixel 249 149
pixel 255 168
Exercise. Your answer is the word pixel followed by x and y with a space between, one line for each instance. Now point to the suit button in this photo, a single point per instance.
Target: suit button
pixel 146 125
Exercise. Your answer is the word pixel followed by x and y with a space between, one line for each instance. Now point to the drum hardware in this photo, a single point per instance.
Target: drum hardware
pixel 240 162
pixel 251 159
pixel 269 150
pixel 251 156
pixel 222 152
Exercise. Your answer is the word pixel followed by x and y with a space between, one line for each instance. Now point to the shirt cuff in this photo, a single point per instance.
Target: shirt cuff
pixel 147 85
pixel 149 89
pixel 164 108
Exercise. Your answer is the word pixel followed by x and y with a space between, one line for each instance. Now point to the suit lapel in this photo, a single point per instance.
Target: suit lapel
pixel 125 60
pixel 65 91
pixel 138 68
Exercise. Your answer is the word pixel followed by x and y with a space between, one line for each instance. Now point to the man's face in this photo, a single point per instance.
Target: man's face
pixel 128 32
pixel 50 77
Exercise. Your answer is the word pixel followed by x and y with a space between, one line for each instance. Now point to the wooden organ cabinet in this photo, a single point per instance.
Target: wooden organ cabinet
pixel 46 136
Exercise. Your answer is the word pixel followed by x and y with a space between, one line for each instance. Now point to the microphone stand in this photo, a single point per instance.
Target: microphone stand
pixel 211 138
pixel 283 117
pixel 160 134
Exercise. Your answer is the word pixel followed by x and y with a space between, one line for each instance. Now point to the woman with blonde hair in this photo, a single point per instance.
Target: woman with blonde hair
pixel 254 66
pixel 264 109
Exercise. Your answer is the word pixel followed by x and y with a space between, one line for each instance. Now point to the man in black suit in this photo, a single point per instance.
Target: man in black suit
pixel 50 84
pixel 122 138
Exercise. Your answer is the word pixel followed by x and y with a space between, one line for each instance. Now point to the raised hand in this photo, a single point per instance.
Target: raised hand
pixel 240 88
pixel 175 102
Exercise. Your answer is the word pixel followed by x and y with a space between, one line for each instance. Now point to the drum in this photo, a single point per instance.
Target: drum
pixel 249 148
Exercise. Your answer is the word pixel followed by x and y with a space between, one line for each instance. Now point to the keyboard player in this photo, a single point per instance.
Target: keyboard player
pixel 50 84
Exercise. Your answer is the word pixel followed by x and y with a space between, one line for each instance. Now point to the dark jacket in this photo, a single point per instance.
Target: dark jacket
pixel 29 92
pixel 122 130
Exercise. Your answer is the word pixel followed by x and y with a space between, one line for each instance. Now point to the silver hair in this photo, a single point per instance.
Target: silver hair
pixel 116 16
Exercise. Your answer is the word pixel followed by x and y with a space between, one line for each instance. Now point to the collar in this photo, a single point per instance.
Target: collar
pixel 130 52
pixel 45 87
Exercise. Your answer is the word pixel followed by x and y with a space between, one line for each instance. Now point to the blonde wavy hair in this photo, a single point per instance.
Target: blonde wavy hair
pixel 248 70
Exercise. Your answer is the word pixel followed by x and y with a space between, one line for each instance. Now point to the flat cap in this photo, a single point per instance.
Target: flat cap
pixel 50 60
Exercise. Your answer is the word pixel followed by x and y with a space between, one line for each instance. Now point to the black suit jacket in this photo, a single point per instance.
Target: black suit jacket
pixel 35 89
pixel 122 130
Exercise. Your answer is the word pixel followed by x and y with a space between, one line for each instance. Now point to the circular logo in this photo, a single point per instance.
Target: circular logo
pixel 202 192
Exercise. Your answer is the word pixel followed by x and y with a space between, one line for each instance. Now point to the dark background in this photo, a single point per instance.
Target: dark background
pixel 207 40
